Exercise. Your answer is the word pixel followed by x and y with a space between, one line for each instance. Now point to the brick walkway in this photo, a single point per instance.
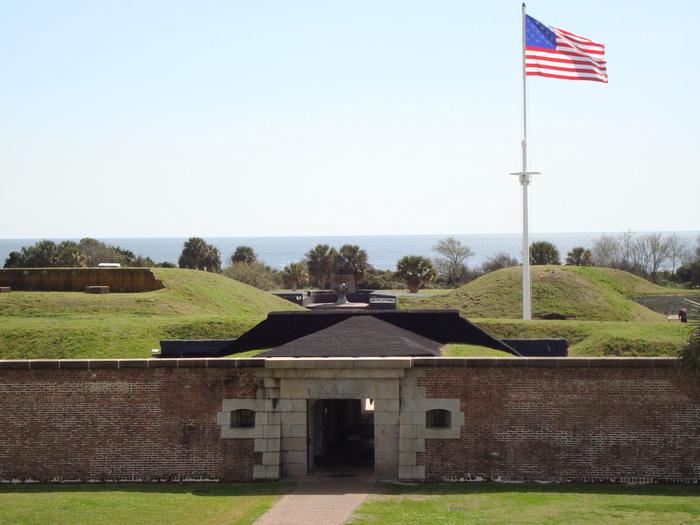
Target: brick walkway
pixel 320 501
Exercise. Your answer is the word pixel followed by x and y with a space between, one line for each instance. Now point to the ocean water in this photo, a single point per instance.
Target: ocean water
pixel 383 250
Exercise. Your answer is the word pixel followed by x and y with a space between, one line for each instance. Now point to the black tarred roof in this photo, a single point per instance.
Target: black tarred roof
pixel 355 336
pixel 422 330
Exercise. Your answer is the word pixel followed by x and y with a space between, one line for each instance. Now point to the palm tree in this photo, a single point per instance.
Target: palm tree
pixel 544 252
pixel 352 260
pixel 579 256
pixel 415 270
pixel 198 255
pixel 295 275
pixel 244 254
pixel 320 261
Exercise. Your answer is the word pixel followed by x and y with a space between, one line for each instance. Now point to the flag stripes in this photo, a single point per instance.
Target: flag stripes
pixel 556 53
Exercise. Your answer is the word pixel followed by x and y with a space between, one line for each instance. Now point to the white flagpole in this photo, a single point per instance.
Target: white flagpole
pixel 524 177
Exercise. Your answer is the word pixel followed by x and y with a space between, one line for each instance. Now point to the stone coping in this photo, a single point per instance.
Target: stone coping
pixel 344 362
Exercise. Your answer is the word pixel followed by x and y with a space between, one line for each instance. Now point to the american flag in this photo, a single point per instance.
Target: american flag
pixel 555 53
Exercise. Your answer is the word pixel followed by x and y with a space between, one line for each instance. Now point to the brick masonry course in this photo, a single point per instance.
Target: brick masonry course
pixel 77 279
pixel 133 424
pixel 568 419
pixel 615 423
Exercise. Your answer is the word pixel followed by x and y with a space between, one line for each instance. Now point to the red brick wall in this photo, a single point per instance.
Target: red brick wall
pixel 612 423
pixel 102 424
pixel 76 279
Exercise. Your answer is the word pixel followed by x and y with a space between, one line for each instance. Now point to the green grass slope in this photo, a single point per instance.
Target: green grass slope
pixel 76 325
pixel 594 294
pixel 598 338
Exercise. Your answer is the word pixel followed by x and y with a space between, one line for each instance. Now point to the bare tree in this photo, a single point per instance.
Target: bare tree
pixel 659 252
pixel 606 251
pixel 677 251
pixel 452 262
pixel 499 261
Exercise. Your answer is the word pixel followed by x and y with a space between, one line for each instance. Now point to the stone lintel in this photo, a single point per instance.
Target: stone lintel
pixel 331 373
pixel 338 362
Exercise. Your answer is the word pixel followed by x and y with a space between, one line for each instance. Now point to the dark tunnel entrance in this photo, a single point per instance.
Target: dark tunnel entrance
pixel 341 435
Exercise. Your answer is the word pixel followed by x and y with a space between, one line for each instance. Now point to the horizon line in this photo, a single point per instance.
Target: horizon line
pixel 266 236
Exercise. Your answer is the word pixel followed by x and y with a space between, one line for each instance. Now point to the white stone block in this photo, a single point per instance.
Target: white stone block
pixel 405 472
pixel 293 456
pixel 407 431
pixel 272 471
pixel 419 418
pixel 293 389
pixel 407 458
pixel 259 472
pixel 261 445
pixel 298 405
pixel 386 418
pixel 295 469
pixel 260 419
pixel 293 418
pixel 271 431
pixel 270 458
pixel 386 405
pixel 298 431
pixel 386 470
pixel 293 444
pixel 386 389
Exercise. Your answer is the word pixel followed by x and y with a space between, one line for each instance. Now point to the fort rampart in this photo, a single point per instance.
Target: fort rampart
pixel 76 279
pixel 549 419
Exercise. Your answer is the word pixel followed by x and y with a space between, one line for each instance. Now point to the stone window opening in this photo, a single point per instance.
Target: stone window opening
pixel 438 418
pixel 242 418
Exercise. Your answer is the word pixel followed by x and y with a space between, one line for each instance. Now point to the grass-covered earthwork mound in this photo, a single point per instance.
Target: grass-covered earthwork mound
pixel 77 325
pixel 598 338
pixel 591 294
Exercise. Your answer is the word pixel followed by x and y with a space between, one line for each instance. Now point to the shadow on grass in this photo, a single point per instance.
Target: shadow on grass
pixel 195 489
pixel 550 488
pixel 351 485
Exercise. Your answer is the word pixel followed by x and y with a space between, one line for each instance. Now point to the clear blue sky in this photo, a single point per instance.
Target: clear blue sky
pixel 160 118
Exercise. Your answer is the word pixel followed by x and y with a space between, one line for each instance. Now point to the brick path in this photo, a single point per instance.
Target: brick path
pixel 320 501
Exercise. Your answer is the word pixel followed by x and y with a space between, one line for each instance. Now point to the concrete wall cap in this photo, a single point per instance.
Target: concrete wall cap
pixel 345 362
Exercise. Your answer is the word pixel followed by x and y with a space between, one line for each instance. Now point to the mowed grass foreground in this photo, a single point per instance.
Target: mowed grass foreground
pixel 494 503
pixel 194 305
pixel 136 504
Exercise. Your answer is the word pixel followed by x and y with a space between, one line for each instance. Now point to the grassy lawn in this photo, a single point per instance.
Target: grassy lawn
pixel 187 503
pixel 77 325
pixel 460 350
pixel 492 503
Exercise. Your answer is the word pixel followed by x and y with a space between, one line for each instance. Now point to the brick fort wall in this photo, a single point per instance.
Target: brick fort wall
pixel 569 423
pixel 76 279
pixel 121 424
pixel 568 419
